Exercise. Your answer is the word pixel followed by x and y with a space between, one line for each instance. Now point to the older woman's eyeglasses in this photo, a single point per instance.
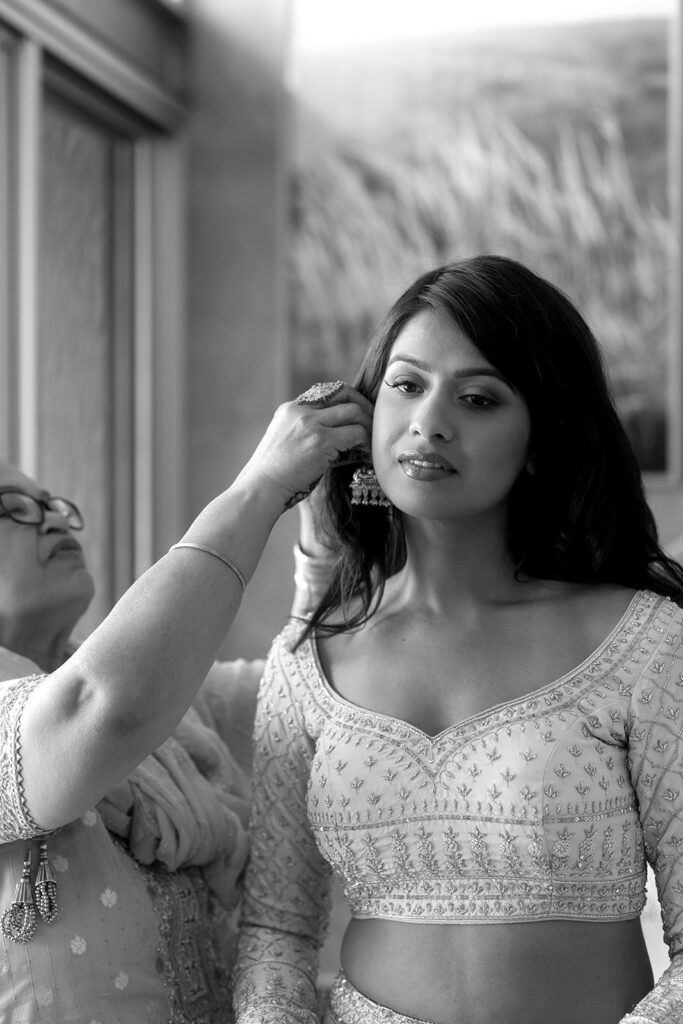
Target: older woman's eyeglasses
pixel 30 511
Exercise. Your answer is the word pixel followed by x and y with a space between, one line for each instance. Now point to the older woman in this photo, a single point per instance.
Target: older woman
pixel 118 867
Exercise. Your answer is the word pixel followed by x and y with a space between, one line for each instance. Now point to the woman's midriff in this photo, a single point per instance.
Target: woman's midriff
pixel 567 972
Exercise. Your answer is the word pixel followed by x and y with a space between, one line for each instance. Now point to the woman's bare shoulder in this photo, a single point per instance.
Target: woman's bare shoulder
pixel 592 610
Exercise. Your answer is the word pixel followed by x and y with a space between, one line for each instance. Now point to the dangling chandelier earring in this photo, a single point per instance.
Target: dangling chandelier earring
pixel 365 489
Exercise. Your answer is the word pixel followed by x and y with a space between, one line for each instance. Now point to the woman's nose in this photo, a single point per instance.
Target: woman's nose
pixel 432 419
pixel 54 521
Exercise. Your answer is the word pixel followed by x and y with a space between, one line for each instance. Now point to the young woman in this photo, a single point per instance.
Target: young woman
pixel 479 730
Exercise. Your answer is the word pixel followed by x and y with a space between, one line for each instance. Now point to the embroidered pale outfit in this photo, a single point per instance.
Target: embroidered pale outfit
pixel 146 940
pixel 538 809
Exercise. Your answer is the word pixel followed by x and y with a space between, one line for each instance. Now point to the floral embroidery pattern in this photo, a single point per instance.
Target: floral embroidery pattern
pixel 44 996
pixel 196 980
pixel 108 898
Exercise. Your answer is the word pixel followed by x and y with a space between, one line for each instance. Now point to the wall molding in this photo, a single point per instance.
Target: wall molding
pixel 94 57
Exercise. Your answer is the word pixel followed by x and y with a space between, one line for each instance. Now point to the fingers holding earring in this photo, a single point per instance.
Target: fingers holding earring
pixel 335 405
pixel 333 398
pixel 329 422
pixel 356 456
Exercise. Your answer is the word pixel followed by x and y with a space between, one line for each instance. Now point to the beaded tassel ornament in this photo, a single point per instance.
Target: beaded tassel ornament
pixel 19 921
pixel 365 489
pixel 46 888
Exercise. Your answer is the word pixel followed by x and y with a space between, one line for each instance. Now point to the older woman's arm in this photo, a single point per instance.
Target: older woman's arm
pixel 126 688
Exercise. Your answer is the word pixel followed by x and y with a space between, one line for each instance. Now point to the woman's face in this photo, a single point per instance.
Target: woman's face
pixel 43 575
pixel 450 434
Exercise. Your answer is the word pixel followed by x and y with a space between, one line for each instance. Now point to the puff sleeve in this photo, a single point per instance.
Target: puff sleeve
pixel 656 762
pixel 287 889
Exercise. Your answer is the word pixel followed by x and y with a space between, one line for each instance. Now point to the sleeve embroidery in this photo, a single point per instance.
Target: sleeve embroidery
pixel 287 890
pixel 656 760
pixel 664 1004
pixel 15 818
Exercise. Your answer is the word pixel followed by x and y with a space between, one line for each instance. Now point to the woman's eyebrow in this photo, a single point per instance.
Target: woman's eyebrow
pixel 465 371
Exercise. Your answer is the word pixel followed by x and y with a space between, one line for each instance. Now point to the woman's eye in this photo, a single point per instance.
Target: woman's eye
pixel 15 503
pixel 479 401
pixel 406 387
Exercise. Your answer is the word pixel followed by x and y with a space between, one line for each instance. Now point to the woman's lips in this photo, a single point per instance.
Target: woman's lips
pixel 425 465
pixel 68 547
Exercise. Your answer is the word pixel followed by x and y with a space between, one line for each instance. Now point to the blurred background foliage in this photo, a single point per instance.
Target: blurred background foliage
pixel 549 145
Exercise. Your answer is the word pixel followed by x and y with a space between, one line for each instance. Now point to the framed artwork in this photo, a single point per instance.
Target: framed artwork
pixel 548 133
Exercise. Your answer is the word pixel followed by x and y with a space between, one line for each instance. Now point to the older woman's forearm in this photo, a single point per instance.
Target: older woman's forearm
pixel 176 615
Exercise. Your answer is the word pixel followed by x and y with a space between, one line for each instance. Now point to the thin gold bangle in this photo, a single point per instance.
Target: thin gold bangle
pixel 216 554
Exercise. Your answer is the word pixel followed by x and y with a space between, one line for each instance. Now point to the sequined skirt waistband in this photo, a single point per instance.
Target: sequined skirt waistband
pixel 349 1006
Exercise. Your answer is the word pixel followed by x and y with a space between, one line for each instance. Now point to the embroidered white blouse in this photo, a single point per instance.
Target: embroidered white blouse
pixel 542 808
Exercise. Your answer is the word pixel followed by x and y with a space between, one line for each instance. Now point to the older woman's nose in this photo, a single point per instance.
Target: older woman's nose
pixel 54 521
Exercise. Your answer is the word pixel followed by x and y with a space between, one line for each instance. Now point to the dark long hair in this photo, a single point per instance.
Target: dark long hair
pixel 582 516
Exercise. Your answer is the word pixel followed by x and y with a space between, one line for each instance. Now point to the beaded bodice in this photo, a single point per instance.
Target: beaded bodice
pixel 541 808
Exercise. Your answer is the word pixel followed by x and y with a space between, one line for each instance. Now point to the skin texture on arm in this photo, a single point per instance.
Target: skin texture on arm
pixel 125 689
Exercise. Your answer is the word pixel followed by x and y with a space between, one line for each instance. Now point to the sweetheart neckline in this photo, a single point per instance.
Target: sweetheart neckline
pixel 640 598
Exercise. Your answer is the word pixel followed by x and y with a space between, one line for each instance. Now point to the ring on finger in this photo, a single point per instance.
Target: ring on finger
pixel 320 394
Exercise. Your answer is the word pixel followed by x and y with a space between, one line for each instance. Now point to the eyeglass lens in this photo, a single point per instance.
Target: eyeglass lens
pixel 23 508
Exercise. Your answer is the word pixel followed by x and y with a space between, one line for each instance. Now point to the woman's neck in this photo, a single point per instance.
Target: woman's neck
pixel 46 650
pixel 450 564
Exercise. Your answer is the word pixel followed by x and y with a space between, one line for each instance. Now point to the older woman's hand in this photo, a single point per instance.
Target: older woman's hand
pixel 308 434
